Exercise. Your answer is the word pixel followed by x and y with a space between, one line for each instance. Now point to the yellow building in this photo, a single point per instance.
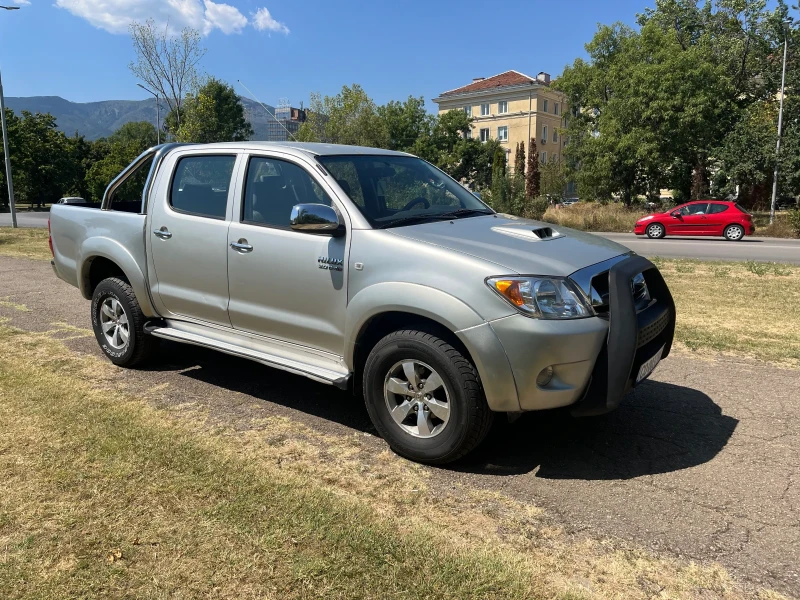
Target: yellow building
pixel 512 107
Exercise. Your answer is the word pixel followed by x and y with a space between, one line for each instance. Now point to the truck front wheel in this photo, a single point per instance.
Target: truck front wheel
pixel 118 324
pixel 424 397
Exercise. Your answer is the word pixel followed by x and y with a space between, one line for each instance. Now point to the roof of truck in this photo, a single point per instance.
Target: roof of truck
pixel 307 147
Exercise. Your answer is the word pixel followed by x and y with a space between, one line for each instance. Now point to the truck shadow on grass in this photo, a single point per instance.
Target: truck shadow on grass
pixel 659 428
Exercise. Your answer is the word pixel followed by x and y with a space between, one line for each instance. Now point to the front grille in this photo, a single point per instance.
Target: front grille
pixel 650 332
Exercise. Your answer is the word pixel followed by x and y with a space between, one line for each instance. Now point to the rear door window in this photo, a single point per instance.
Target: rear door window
pixel 200 185
pixel 714 209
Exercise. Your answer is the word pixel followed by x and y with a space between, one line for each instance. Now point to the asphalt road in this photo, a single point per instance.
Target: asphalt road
pixel 708 248
pixel 26 219
pixel 702 462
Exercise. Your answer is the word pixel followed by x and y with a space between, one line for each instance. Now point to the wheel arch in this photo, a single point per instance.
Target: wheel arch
pixel 102 258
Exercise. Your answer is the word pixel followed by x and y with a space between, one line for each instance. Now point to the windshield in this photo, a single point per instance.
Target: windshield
pixel 401 190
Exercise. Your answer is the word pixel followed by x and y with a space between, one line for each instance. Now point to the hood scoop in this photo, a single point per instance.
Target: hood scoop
pixel 537 234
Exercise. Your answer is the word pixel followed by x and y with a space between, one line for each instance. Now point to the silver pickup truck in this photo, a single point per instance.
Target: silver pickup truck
pixel 368 270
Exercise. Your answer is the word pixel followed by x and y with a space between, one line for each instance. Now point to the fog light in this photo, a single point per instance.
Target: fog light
pixel 545 377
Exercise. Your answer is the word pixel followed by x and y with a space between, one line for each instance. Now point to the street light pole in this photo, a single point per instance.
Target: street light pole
pixel 158 112
pixel 780 125
pixel 9 178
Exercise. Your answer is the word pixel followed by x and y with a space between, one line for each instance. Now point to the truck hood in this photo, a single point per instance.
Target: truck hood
pixel 517 245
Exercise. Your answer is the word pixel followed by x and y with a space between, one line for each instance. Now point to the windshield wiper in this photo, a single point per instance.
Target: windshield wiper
pixel 414 219
pixel 464 212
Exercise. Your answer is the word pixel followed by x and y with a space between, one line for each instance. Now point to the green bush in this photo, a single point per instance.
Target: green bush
pixel 537 207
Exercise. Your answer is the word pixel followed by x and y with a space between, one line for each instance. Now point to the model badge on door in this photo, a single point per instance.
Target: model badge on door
pixel 330 264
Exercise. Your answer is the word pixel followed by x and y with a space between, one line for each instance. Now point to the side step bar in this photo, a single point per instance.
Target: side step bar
pixel 321 374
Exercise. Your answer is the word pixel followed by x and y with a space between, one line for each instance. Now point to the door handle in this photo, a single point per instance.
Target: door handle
pixel 163 233
pixel 242 246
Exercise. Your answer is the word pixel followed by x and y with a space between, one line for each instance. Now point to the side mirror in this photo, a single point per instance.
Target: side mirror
pixel 676 215
pixel 319 219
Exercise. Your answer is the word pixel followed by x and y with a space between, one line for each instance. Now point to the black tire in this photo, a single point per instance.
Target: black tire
pixel 139 346
pixel 734 233
pixel 469 416
pixel 653 228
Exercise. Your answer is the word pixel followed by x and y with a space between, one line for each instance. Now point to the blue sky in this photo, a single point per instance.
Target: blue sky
pixel 79 49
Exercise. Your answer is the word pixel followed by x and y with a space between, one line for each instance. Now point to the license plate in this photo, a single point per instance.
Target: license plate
pixel 650 365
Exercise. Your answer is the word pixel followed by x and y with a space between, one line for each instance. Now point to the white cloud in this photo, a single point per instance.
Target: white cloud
pixel 116 15
pixel 21 2
pixel 263 21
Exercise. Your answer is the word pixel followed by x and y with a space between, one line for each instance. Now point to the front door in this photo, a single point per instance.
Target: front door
pixel 692 220
pixel 189 238
pixel 285 284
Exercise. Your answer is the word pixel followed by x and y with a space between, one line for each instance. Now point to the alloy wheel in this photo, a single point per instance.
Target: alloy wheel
pixel 114 323
pixel 417 398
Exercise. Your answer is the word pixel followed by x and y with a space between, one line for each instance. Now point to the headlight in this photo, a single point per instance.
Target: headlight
pixel 541 297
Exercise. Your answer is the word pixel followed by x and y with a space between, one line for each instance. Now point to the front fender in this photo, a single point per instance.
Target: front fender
pixel 117 253
pixel 484 347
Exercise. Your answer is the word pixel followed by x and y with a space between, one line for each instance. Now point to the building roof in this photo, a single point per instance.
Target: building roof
pixel 507 79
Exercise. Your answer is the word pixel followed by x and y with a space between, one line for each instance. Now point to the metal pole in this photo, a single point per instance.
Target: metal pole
pixel 780 125
pixel 158 121
pixel 9 177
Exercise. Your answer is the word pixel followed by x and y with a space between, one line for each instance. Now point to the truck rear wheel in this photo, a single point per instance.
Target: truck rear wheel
pixel 424 397
pixel 118 324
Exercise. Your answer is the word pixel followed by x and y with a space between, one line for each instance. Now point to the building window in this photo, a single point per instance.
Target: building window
pixel 502 133
pixel 555 136
pixel 555 108
pixel 554 158
pixel 502 107
pixel 543 157
pixel 485 135
pixel 484 110
pixel 544 134
pixel 468 134
pixel 544 106
pixel 468 111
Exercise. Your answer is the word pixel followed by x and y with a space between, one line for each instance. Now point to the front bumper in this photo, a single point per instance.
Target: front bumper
pixel 595 360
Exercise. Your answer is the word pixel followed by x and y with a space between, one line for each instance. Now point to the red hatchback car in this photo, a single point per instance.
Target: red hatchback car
pixel 701 217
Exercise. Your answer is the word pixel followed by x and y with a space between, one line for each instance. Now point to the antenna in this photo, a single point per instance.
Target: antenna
pixel 266 109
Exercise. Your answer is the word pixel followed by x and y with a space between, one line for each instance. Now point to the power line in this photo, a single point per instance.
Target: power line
pixel 266 109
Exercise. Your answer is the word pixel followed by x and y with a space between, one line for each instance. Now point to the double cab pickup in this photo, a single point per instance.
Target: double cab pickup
pixel 369 270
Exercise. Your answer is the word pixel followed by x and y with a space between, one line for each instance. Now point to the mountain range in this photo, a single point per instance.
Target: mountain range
pixel 94 120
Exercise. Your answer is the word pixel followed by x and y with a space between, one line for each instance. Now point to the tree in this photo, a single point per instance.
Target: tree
pixel 166 64
pixel 40 158
pixel 406 122
pixel 213 114
pixel 553 178
pixel 501 186
pixel 123 146
pixel 532 176
pixel 519 159
pixel 350 117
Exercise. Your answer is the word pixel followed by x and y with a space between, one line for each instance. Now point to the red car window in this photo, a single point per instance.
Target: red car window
pixel 714 209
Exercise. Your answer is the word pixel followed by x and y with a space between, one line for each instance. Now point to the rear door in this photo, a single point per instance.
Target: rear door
pixel 188 235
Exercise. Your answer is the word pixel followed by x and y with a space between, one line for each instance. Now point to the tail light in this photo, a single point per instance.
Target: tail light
pixel 50 239
pixel 748 217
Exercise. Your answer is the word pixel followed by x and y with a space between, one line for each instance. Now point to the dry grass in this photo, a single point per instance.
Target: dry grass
pixel 781 228
pixel 106 496
pixel 742 308
pixel 593 216
pixel 24 243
